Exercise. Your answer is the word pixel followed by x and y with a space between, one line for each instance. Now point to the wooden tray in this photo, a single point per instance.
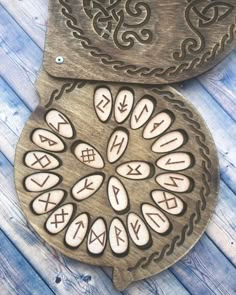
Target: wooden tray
pixel 118 175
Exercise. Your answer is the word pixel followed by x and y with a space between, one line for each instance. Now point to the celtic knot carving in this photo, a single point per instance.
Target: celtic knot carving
pixel 121 21
pixel 212 13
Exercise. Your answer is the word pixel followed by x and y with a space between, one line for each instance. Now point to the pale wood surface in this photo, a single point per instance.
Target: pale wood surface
pixel 214 96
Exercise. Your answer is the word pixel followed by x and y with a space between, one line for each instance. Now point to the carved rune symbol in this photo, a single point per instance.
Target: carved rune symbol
pixel 150 215
pixel 117 233
pixel 136 228
pixel 94 237
pixel 42 163
pixel 87 186
pixel 118 145
pixel 176 162
pixel 103 103
pixel 61 216
pixel 41 184
pixel 45 139
pixel 170 141
pixel 134 171
pixel 116 191
pixel 156 125
pixel 168 201
pixel 80 224
pixel 123 105
pixel 174 182
pixel 137 118
pixel 58 127
pixel 47 202
pixel 88 155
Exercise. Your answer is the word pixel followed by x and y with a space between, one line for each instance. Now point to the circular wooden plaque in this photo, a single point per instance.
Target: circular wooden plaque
pixel 116 175
pixel 138 41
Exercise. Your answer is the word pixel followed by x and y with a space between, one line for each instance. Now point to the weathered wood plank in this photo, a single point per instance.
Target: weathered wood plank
pixel 222 126
pixel 220 82
pixel 16 273
pixel 223 224
pixel 20 57
pixel 206 271
pixel 31 16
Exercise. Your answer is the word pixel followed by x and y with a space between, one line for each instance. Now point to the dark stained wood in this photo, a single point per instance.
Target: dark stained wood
pixel 138 41
pixel 75 99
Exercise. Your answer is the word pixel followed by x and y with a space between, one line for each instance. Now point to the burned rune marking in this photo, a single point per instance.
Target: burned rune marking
pixel 134 171
pixel 174 182
pixel 61 216
pixel 168 201
pixel 88 155
pixel 40 161
pixel 137 118
pixel 41 184
pixel 87 186
pixel 118 231
pixel 156 125
pixel 63 122
pixel 101 238
pixel 45 139
pixel 150 215
pixel 117 145
pixel 136 228
pixel 103 103
pixel 123 105
pixel 170 141
pixel 47 202
pixel 116 191
pixel 80 225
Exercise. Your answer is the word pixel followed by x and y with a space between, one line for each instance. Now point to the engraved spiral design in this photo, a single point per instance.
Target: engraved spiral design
pixel 193 48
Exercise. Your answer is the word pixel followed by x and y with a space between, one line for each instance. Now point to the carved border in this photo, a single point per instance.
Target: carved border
pixel 205 191
pixel 129 69
pixel 206 163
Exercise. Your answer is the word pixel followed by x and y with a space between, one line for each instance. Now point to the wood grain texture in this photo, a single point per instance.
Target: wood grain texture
pixel 219 230
pixel 16 273
pixel 120 41
pixel 63 274
pixel 31 16
pixel 76 104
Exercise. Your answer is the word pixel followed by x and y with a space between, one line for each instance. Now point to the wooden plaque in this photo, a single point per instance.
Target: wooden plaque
pixel 117 175
pixel 138 41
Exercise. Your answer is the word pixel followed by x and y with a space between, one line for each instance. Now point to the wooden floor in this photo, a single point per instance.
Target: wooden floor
pixel 27 264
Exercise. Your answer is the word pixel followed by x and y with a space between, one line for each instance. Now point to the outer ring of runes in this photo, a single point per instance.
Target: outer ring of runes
pixel 119 175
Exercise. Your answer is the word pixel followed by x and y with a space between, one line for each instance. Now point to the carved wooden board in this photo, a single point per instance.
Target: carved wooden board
pixel 119 175
pixel 138 41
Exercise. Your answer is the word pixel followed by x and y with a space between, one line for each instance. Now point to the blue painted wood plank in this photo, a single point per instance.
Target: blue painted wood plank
pixel 31 15
pixel 205 272
pixel 220 82
pixel 221 125
pixel 16 275
pixel 222 228
pixel 20 59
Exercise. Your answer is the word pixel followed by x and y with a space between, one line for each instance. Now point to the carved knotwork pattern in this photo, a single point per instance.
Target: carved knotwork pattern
pixel 124 22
